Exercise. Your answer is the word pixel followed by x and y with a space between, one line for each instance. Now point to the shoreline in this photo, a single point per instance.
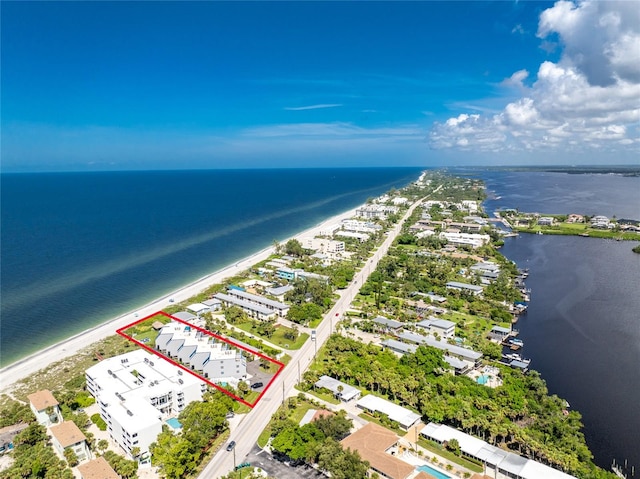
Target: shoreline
pixel 22 368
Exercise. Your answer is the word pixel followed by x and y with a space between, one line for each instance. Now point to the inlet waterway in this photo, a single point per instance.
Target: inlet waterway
pixel 582 328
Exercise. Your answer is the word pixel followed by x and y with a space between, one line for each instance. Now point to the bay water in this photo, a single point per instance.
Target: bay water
pixel 582 328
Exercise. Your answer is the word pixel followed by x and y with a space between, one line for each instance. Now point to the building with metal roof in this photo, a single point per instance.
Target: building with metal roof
pixel 498 463
pixel 453 350
pixel 443 328
pixel 389 324
pixel 403 416
pixel 340 390
pixel 469 288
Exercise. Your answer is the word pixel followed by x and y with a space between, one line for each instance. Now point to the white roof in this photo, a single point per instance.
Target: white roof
pixel 198 307
pixel 505 460
pixel 401 415
pixel 348 392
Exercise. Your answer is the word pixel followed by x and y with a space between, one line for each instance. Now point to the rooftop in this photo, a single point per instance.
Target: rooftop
pixel 67 433
pixel 42 400
pixel 372 442
pixel 97 469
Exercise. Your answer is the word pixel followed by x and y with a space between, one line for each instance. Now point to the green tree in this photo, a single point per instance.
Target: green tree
pixel 71 457
pixel 202 422
pixel 293 247
pixel 174 455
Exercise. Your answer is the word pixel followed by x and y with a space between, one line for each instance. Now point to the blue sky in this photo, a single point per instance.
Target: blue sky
pixel 124 85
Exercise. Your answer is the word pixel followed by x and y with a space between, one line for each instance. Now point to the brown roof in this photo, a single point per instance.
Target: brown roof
pixel 321 413
pixel 371 442
pixel 423 475
pixel 42 400
pixel 97 469
pixel 67 433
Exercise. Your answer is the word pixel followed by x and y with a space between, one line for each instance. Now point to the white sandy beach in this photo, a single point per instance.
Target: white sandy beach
pixel 27 366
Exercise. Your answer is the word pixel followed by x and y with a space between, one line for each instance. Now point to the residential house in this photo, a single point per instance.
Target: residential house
pixel 340 390
pixel 601 222
pixel 438 327
pixel 45 407
pixel 387 325
pixel 8 433
pixel 464 287
pixel 97 468
pixel 546 221
pixel 375 445
pixel 403 416
pixel 67 435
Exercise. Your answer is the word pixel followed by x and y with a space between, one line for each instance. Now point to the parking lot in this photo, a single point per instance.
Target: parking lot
pixel 274 468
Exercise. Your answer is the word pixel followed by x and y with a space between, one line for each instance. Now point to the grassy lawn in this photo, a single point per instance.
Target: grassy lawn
pixel 442 452
pixel 279 340
pixel 278 337
pixel 325 396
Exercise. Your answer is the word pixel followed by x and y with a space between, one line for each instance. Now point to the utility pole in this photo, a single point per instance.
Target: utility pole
pixel 283 392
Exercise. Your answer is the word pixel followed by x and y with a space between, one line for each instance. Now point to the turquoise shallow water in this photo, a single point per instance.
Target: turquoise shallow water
pixel 78 249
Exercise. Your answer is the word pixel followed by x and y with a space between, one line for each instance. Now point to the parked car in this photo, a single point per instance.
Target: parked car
pixel 257 385
pixel 231 445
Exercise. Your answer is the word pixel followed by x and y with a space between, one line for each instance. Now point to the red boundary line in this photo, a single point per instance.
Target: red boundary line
pixel 226 340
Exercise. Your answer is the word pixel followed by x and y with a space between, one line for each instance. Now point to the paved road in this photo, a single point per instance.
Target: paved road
pixel 247 432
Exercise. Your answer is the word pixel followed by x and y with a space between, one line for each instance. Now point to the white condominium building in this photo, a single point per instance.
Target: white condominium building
pixel 136 392
pixel 323 245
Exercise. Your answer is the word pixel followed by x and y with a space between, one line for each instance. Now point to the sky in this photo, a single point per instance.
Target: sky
pixel 127 85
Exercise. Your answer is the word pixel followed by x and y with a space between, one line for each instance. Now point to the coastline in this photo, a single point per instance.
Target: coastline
pixel 22 368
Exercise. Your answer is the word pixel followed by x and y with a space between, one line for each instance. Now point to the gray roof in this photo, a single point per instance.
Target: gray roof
pixel 465 353
pixel 455 362
pixel 255 298
pixel 500 329
pixel 400 347
pixel 211 302
pixel 244 304
pixel 457 284
pixel 390 323
pixel 280 290
pixel 348 392
pixel 437 323
pixel 184 316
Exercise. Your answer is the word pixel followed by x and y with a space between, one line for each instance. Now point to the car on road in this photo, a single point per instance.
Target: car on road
pixel 231 445
pixel 257 385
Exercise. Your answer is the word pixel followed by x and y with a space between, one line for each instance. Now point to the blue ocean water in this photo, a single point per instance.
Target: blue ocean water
pixel 81 248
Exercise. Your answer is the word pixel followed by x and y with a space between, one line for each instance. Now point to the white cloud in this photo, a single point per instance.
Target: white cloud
pixel 313 107
pixel 589 99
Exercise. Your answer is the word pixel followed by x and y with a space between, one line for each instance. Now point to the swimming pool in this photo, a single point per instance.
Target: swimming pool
pixel 174 423
pixel 434 472
pixel 483 379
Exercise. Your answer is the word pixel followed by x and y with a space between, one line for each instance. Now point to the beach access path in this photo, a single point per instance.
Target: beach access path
pixel 23 368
